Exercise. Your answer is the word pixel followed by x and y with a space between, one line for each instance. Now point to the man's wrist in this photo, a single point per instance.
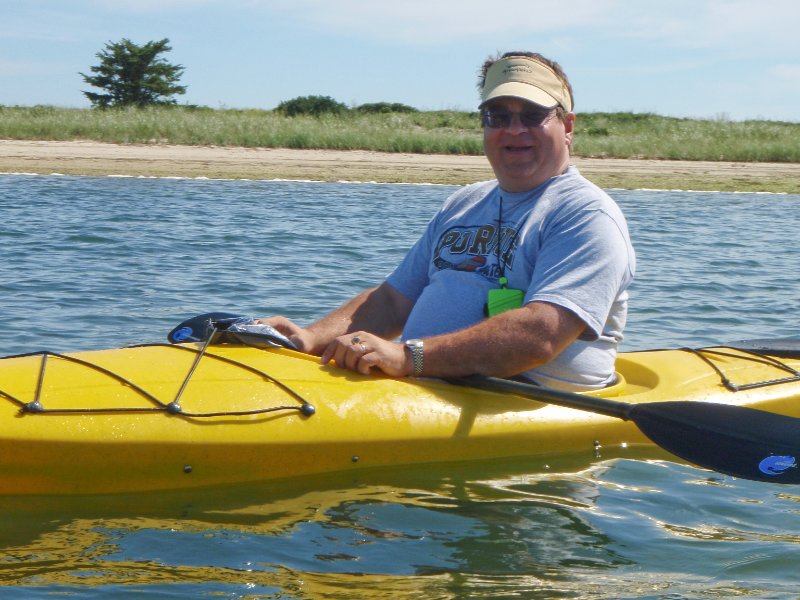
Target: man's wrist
pixel 415 347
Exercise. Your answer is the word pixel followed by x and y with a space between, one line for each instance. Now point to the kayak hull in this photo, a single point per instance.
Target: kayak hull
pixel 157 417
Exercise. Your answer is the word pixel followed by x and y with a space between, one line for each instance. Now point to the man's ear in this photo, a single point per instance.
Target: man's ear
pixel 569 127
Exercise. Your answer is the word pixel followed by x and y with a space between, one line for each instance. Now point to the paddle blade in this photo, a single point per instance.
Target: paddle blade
pixel 783 347
pixel 738 441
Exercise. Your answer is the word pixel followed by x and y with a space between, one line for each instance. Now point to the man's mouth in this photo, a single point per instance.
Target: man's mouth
pixel 518 149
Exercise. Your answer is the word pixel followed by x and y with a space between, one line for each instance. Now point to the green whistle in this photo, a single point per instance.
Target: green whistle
pixel 503 299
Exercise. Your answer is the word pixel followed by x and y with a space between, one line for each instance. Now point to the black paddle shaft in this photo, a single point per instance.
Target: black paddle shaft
pixel 734 440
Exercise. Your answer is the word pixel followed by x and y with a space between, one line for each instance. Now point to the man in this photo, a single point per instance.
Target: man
pixel 525 275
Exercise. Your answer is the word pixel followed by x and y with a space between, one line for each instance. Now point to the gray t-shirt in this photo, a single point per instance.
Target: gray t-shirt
pixel 565 242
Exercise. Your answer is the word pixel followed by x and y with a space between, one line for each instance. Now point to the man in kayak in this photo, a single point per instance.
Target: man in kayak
pixel 525 275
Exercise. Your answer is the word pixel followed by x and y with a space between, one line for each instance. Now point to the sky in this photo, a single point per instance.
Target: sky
pixel 718 59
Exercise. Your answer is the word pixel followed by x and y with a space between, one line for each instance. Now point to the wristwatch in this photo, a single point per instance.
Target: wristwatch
pixel 417 356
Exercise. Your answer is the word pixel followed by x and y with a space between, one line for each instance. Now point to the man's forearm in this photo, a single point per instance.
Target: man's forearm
pixel 380 310
pixel 505 345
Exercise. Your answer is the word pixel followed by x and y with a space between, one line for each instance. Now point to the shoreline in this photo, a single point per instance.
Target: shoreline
pixel 214 162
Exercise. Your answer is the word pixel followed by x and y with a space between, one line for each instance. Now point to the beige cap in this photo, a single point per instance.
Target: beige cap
pixel 528 79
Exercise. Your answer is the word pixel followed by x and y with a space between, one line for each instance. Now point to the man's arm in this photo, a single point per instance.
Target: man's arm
pixel 507 344
pixel 501 346
pixel 381 311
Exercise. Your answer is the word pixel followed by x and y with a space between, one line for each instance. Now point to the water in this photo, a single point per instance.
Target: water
pixel 101 262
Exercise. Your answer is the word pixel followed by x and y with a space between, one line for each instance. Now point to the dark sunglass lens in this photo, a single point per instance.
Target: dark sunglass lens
pixel 496 119
pixel 533 118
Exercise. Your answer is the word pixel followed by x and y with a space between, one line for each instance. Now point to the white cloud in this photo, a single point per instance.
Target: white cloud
pixel 21 67
pixel 743 27
pixel 427 22
pixel 732 24
pixel 786 72
pixel 148 6
pixel 755 25
pixel 781 84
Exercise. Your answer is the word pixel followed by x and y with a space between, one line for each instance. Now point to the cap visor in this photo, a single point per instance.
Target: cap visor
pixel 523 91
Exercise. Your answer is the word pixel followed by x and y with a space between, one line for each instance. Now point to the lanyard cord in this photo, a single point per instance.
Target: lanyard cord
pixel 501 267
pixel 501 260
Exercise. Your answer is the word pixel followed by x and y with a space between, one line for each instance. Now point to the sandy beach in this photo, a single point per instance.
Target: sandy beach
pixel 101 159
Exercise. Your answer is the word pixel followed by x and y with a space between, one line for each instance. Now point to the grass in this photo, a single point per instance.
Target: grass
pixel 608 135
pixel 627 135
pixel 438 133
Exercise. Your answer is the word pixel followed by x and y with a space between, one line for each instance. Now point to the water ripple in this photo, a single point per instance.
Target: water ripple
pixel 98 262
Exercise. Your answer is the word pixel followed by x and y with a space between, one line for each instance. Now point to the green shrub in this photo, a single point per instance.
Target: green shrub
pixel 385 107
pixel 311 105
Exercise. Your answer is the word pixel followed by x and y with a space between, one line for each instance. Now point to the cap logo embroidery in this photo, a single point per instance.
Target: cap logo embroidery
pixel 517 69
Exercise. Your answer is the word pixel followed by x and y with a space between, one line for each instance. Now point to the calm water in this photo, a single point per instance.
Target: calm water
pixel 100 262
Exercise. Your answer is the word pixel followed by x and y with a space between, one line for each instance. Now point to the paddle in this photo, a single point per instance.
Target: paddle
pixel 735 440
pixel 783 347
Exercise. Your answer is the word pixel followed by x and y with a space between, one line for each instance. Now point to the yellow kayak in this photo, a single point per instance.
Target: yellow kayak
pixel 159 417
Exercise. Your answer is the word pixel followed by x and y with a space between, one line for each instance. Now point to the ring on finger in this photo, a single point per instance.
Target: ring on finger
pixel 355 340
pixel 363 347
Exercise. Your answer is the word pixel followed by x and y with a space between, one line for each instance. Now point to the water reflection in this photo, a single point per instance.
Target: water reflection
pixel 439 531
pixel 436 531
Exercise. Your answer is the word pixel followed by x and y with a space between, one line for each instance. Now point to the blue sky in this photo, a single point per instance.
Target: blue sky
pixel 734 59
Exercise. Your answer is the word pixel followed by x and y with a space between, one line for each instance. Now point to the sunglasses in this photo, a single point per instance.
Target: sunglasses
pixel 500 119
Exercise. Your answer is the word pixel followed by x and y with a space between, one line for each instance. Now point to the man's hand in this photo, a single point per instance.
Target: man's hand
pixel 299 336
pixel 361 352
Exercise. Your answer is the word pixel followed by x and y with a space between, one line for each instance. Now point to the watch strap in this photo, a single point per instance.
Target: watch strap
pixel 417 356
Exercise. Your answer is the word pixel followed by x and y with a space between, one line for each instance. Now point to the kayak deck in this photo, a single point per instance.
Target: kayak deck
pixel 171 416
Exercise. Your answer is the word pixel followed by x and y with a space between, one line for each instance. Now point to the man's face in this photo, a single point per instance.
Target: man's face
pixel 524 156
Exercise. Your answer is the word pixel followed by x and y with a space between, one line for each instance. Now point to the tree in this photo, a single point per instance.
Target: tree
pixel 134 75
